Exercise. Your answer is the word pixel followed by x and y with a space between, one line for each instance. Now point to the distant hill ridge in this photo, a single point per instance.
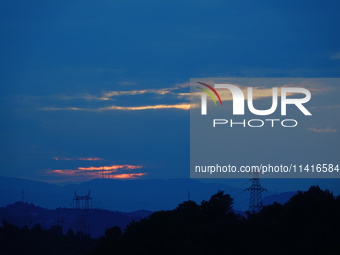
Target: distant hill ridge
pixel 25 214
pixel 132 195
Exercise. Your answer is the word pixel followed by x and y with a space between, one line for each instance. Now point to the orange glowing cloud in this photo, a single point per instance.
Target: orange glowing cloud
pixel 128 176
pixel 68 172
pixel 172 92
pixel 183 106
pixel 113 167
pixel 110 172
pixel 148 107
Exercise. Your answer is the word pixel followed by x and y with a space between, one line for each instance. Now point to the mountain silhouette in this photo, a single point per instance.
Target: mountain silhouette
pixel 24 214
pixel 125 195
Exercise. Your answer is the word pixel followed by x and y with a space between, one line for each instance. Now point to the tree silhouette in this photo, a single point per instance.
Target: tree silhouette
pixel 15 240
pixel 218 206
pixel 307 224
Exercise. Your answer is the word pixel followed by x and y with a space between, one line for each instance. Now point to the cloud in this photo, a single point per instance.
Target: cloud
pixel 263 92
pixel 90 159
pixel 62 158
pixel 326 107
pixel 147 107
pixel 177 92
pixel 109 95
pixel 63 109
pixel 113 167
pixel 128 176
pixel 87 97
pixel 335 56
pixel 163 91
pixel 110 172
pixel 83 159
pixel 258 93
pixel 183 106
pixel 323 130
pixel 176 97
pixel 171 98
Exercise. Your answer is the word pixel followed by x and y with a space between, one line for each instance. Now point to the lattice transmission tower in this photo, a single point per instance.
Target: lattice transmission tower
pixel 255 201
pixel 82 206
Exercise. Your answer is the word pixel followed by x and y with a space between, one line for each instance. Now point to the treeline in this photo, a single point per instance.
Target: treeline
pixel 307 224
pixel 37 241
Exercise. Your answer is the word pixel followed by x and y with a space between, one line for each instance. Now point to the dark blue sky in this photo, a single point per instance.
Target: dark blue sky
pixel 78 78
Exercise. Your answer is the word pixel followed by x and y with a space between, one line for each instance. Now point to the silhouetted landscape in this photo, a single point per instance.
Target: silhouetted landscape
pixel 117 195
pixel 307 223
pixel 24 214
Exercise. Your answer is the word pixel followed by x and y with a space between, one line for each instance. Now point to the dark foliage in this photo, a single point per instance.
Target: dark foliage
pixel 307 224
pixel 36 241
